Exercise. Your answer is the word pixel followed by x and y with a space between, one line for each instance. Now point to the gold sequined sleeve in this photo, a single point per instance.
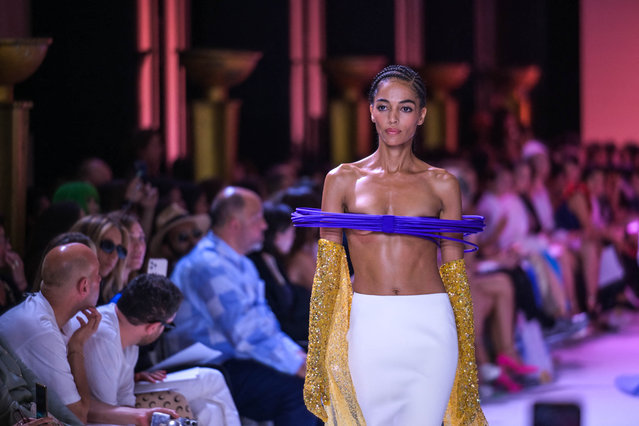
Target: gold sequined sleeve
pixel 328 389
pixel 463 406
pixel 325 288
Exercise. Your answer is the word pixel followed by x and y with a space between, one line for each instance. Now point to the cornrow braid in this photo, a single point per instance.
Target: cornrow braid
pixel 400 72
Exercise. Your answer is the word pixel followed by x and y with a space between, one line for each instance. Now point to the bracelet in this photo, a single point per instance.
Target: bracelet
pixel 75 352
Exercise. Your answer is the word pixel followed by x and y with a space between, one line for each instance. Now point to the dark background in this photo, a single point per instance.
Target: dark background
pixel 84 93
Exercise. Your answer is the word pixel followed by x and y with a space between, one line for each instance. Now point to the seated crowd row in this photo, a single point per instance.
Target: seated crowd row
pixel 241 275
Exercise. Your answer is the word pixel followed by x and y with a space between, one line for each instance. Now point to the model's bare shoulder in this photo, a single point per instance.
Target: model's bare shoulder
pixel 446 187
pixel 441 176
pixel 342 175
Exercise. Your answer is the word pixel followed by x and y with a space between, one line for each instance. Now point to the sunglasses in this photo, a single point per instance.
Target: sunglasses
pixel 167 325
pixel 108 246
pixel 183 237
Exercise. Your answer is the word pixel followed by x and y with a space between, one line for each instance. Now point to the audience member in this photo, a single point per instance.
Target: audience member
pixel 57 218
pixel 145 310
pixel 136 248
pixel 95 171
pixel 82 193
pixel 111 239
pixel 148 149
pixel 580 214
pixel 17 393
pixel 302 259
pixel 70 283
pixel 12 280
pixel 224 308
pixel 176 233
pixel 141 198
pixel 290 303
pixel 60 240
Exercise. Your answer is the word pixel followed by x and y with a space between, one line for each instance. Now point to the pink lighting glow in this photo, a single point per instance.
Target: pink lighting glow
pixel 609 63
pixel 174 80
pixel 149 66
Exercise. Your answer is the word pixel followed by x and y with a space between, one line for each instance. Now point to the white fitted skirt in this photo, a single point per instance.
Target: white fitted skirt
pixel 402 355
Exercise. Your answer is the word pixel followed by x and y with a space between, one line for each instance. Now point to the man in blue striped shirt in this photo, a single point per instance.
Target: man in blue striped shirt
pixel 224 308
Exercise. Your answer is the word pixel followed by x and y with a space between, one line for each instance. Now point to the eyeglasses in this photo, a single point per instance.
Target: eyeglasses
pixel 185 236
pixel 108 246
pixel 168 325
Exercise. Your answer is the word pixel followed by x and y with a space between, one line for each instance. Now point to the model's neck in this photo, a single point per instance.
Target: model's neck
pixel 394 159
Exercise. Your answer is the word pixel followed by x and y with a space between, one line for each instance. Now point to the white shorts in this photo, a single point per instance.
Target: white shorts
pixel 402 355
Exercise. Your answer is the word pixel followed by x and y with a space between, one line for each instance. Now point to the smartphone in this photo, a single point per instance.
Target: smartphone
pixel 157 266
pixel 556 414
pixel 41 401
pixel 140 170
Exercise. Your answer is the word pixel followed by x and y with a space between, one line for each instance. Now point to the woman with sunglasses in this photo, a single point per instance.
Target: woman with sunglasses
pixel 136 248
pixel 111 238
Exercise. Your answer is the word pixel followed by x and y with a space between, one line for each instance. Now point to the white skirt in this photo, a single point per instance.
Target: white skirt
pixel 402 355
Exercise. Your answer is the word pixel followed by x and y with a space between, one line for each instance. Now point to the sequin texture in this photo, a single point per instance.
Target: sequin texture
pixel 329 391
pixel 463 406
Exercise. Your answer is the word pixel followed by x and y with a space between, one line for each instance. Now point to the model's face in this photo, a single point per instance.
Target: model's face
pixel 396 112
pixel 137 247
pixel 252 225
pixel 109 260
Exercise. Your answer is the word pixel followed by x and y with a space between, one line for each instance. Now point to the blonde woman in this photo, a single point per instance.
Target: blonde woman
pixel 111 239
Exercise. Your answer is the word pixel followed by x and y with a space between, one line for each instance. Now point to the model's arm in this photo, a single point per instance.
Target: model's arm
pixel 333 201
pixel 447 188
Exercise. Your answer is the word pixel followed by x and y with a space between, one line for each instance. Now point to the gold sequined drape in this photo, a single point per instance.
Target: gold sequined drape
pixel 329 391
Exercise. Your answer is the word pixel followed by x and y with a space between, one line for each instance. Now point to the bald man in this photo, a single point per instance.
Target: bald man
pixel 224 308
pixel 35 328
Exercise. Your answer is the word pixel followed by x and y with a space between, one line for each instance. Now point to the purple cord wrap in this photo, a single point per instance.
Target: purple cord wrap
pixel 423 227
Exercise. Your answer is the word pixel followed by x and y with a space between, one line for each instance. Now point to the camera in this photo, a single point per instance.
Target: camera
pixel 161 419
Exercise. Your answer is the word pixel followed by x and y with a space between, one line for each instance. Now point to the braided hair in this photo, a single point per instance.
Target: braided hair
pixel 400 72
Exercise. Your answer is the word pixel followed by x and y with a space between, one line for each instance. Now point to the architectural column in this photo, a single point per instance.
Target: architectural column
pixel 485 56
pixel 442 120
pixel 308 85
pixel 215 118
pixel 19 59
pixel 351 128
pixel 409 32
pixel 175 27
pixel 148 46
pixel 521 81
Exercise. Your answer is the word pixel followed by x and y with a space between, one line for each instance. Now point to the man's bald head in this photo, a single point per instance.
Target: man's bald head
pixel 237 218
pixel 229 203
pixel 65 265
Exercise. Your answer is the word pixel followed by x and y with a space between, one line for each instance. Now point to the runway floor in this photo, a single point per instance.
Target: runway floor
pixel 585 373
